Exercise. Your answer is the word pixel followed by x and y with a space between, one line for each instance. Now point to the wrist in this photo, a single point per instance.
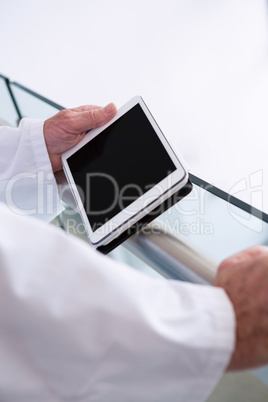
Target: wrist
pixel 55 160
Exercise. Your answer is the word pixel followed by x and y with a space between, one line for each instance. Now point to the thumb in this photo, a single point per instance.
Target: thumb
pixel 96 117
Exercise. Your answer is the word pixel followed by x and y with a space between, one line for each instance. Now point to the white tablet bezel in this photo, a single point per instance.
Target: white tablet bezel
pixel 144 204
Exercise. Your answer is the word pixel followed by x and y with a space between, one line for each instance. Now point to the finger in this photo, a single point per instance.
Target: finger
pixel 92 118
pixel 84 108
pixel 244 256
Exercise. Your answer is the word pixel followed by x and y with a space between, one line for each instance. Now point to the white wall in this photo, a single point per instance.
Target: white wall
pixel 201 66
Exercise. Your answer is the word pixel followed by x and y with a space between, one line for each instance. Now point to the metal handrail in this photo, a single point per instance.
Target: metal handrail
pixel 172 255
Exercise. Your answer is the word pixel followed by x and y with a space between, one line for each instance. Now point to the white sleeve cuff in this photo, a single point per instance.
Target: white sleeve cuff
pixel 31 188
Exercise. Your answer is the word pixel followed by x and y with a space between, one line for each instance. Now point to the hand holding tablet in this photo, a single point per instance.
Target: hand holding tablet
pixel 121 171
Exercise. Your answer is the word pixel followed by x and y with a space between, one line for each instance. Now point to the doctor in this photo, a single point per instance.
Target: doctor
pixel 77 326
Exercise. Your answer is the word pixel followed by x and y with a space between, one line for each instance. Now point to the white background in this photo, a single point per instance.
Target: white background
pixel 201 66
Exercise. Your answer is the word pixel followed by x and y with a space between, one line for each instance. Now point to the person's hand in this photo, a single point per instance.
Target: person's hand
pixel 244 277
pixel 68 127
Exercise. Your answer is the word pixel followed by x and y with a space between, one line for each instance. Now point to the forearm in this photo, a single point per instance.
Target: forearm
pixel 83 320
pixel 27 183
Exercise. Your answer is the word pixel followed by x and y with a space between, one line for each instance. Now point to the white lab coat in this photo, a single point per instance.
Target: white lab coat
pixel 78 326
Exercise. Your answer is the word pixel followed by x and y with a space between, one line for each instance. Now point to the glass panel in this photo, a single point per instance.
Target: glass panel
pixel 8 113
pixel 122 254
pixel 213 225
pixel 71 221
pixel 210 223
pixel 32 106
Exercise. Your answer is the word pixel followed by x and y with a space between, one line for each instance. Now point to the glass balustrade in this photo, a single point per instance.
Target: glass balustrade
pixel 33 105
pixel 8 112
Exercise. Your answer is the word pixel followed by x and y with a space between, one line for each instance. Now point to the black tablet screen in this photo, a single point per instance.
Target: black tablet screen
pixel 118 166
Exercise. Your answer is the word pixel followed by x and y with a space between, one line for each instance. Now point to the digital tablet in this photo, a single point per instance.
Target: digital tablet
pixel 121 171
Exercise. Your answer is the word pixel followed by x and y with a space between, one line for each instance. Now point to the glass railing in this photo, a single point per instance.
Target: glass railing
pixel 186 242
pixel 9 113
pixel 17 101
pixel 190 239
pixel 33 105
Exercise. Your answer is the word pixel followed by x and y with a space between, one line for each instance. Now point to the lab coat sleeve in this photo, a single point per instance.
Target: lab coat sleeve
pixel 78 326
pixel 27 183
